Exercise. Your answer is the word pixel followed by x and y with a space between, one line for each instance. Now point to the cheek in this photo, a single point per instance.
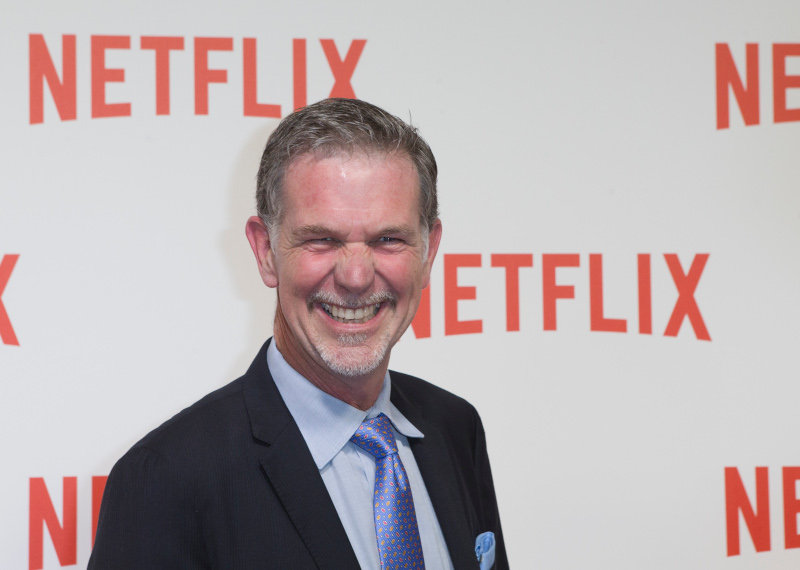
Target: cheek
pixel 302 276
pixel 403 277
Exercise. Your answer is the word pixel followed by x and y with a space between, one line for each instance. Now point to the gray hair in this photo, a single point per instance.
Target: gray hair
pixel 342 126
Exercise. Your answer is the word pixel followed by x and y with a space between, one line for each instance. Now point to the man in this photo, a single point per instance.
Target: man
pixel 318 457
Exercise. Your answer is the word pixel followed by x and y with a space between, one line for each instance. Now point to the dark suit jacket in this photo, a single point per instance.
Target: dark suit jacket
pixel 229 483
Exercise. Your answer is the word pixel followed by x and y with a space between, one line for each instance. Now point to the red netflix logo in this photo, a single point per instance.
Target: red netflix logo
pixel 64 534
pixel 757 519
pixel 7 334
pixel 746 91
pixel 685 281
pixel 63 87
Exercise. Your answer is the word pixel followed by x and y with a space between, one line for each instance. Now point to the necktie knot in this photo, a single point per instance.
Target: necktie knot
pixel 375 436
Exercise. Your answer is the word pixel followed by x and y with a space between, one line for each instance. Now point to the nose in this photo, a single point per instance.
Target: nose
pixel 355 268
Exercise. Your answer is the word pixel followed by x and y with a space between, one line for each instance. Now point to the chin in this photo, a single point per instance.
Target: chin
pixel 351 357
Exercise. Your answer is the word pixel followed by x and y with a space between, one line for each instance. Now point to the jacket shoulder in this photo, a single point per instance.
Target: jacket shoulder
pixel 191 428
pixel 423 392
pixel 436 405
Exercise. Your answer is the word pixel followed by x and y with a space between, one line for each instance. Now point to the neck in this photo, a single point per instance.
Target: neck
pixel 358 391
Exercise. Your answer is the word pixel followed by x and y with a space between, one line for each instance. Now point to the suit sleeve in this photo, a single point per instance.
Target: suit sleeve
pixel 147 517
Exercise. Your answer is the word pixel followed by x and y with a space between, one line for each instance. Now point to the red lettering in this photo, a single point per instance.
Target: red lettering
pixel 252 108
pixel 42 512
pixel 98 486
pixel 686 306
pixel 598 321
pixel 300 76
pixel 550 291
pixel 422 320
pixel 746 97
pixel 343 69
pixel 7 334
pixel 162 46
pixel 512 262
pixel 791 506
pixel 453 293
pixel 203 76
pixel 781 82
pixel 102 75
pixel 645 301
pixel 736 501
pixel 41 69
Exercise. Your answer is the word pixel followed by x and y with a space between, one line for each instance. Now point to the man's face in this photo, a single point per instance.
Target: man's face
pixel 350 260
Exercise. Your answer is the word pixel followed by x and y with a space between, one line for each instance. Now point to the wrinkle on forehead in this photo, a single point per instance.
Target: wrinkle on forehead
pixel 367 155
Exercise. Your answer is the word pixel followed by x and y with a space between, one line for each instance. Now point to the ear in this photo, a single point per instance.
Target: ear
pixel 259 238
pixel 433 246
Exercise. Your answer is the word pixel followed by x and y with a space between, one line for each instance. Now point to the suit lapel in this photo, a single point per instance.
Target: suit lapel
pixel 433 459
pixel 291 470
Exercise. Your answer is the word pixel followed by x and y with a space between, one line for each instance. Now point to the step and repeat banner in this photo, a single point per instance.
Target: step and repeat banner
pixel 617 289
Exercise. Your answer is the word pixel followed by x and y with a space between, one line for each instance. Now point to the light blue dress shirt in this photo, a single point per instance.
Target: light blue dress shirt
pixel 327 424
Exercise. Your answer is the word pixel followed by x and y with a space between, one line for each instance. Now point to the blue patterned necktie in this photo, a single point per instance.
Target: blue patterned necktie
pixel 395 520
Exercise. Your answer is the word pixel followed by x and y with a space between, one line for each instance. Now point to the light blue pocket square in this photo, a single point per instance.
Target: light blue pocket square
pixel 484 550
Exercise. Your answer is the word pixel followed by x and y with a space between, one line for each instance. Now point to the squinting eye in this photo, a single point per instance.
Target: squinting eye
pixel 387 239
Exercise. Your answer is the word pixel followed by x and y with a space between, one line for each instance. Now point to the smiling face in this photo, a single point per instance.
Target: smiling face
pixel 350 261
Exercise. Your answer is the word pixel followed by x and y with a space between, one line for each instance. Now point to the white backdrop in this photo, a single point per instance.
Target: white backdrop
pixel 560 128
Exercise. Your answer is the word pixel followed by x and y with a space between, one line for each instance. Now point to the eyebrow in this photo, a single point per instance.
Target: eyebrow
pixel 317 229
pixel 402 229
pixel 312 229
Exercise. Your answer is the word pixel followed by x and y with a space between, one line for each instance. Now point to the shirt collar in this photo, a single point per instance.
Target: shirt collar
pixel 326 423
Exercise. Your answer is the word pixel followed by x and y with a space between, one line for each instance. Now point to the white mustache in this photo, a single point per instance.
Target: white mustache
pixel 352 302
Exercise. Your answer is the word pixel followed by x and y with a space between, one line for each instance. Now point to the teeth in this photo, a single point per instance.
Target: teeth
pixel 345 315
